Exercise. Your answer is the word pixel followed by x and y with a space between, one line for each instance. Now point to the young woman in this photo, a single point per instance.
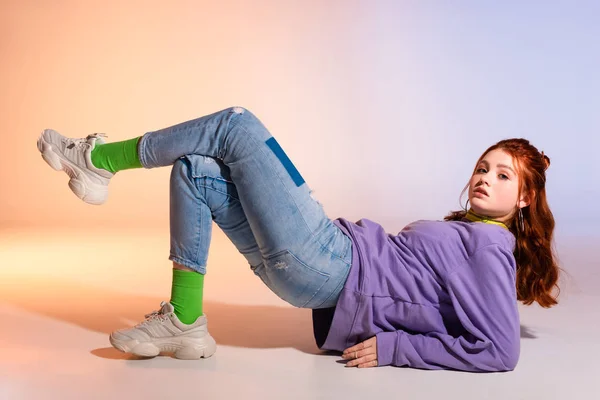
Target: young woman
pixel 438 295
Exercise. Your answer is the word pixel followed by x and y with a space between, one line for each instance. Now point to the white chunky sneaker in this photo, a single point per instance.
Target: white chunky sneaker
pixel 162 331
pixel 73 156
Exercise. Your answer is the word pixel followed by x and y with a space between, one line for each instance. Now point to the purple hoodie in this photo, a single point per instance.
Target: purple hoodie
pixel 439 295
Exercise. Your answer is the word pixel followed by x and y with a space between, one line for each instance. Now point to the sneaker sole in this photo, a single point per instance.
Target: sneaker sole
pixel 83 188
pixel 183 348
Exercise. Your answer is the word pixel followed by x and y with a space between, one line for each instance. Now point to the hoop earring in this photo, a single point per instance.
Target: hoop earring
pixel 521 222
pixel 467 205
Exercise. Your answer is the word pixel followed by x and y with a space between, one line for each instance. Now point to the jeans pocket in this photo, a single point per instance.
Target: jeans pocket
pixel 333 240
pixel 291 279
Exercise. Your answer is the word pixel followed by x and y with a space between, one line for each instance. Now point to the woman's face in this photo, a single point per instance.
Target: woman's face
pixel 495 175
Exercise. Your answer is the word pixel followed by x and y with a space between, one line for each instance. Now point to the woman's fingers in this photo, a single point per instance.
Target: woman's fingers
pixel 363 355
pixel 354 348
pixel 360 346
pixel 357 354
pixel 369 364
pixel 369 360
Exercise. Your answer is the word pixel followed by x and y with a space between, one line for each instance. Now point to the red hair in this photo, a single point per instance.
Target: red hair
pixel 537 269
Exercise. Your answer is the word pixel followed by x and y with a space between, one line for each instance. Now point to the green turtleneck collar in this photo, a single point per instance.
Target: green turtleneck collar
pixel 471 216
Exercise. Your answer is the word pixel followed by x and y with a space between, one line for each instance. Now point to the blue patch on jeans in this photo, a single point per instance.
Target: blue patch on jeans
pixel 287 163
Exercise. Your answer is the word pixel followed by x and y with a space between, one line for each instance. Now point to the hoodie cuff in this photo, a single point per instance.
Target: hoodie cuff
pixel 386 348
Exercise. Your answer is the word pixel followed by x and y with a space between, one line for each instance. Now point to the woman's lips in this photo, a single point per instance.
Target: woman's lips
pixel 479 194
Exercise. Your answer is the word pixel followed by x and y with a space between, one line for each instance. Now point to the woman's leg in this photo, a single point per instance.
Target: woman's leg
pixel 271 190
pixel 304 257
pixel 201 191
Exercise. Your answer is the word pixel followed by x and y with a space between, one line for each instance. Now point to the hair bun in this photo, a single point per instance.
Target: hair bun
pixel 546 161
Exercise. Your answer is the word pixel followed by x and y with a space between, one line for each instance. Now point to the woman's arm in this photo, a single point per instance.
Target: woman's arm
pixel 483 293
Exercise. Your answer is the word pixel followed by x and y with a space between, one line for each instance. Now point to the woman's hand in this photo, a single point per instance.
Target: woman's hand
pixel 363 355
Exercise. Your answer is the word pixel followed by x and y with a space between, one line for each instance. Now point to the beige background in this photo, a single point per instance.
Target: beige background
pixel 124 69
pixel 383 106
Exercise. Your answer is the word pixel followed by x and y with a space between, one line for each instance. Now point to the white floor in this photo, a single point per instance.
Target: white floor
pixel 63 291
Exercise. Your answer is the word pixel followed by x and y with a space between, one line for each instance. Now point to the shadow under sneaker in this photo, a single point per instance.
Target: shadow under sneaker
pixel 162 331
pixel 73 156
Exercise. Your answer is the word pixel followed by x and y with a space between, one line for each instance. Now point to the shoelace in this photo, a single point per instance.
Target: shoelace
pixel 96 135
pixel 155 315
pixel 83 142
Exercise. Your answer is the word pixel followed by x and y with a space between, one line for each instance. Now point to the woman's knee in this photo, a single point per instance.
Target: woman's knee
pixel 238 109
pixel 179 169
pixel 199 166
pixel 250 124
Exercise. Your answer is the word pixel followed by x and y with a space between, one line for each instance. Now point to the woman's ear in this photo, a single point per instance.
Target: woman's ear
pixel 526 200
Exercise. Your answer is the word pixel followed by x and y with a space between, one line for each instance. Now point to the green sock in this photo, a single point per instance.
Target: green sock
pixel 186 295
pixel 116 156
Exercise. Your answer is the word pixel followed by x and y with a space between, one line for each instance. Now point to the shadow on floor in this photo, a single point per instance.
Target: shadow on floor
pixel 102 310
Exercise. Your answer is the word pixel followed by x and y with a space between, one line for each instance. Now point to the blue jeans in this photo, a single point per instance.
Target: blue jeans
pixel 227 167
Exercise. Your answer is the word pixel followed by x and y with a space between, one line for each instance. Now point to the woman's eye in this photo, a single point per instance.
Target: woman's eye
pixel 483 171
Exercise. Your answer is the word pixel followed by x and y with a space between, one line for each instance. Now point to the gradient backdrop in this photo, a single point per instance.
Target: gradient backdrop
pixel 384 106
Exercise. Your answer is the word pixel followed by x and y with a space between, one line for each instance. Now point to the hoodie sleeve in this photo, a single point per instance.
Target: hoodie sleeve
pixel 483 293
